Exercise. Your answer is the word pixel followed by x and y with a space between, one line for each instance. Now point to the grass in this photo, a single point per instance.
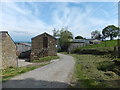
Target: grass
pixel 48 58
pixel 64 53
pixel 89 75
pixel 109 44
pixel 94 67
pixel 11 72
pixel 100 47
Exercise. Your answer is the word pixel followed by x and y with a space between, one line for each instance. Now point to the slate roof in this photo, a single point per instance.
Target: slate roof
pixel 26 44
pixel 43 34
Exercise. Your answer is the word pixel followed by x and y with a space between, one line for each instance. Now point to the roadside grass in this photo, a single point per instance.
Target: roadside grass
pixel 13 71
pixel 96 67
pixel 43 59
pixel 118 59
pixel 94 71
pixel 64 53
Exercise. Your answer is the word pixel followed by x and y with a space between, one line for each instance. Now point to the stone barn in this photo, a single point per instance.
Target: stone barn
pixel 43 45
pixel 7 50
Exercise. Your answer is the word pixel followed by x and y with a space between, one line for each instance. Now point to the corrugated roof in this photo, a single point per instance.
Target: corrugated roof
pixel 80 41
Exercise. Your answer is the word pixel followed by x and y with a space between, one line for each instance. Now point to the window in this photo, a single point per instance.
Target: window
pixel 45 42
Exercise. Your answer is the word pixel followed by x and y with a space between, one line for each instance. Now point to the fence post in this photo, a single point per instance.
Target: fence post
pixel 115 52
pixel 118 51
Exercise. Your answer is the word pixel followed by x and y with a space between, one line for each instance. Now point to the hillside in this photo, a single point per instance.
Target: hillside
pixel 96 66
pixel 103 46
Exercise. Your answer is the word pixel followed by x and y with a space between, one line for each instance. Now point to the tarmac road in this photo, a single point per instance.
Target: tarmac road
pixel 53 75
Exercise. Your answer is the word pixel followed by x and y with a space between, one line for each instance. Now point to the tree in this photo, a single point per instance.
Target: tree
pixel 110 31
pixel 64 40
pixel 56 33
pixel 79 37
pixel 96 34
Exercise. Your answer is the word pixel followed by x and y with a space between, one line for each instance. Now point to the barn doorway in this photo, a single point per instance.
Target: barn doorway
pixel 45 42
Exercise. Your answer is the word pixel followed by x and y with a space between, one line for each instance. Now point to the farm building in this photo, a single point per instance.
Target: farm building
pixel 75 43
pixel 78 43
pixel 43 45
pixel 7 50
pixel 23 50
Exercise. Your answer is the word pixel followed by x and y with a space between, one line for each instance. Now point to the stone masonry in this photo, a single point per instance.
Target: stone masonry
pixel 7 50
pixel 43 45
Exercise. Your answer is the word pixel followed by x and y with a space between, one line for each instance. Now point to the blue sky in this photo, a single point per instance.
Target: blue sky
pixel 24 20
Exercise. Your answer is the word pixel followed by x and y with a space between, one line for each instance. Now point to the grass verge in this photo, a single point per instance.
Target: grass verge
pixel 89 73
pixel 64 53
pixel 11 72
pixel 48 58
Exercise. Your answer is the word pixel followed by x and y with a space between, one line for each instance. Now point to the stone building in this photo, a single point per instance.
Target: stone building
pixel 23 50
pixel 7 50
pixel 22 47
pixel 43 45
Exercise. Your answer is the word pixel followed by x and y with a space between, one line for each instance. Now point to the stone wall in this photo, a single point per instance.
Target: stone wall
pixel 39 51
pixel 8 51
pixel 52 47
pixel 0 50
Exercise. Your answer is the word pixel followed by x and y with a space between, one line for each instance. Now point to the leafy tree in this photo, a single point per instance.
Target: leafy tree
pixel 64 40
pixel 79 37
pixel 96 34
pixel 111 31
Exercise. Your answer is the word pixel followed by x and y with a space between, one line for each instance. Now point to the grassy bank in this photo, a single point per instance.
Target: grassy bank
pixel 95 71
pixel 47 58
pixel 103 47
pixel 104 44
pixel 11 72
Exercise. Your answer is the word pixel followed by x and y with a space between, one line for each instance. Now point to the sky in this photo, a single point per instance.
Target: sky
pixel 24 20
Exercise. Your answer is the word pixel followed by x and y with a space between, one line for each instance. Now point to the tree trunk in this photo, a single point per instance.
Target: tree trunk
pixel 111 37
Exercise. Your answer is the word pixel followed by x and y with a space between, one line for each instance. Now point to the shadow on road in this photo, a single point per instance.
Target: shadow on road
pixel 32 83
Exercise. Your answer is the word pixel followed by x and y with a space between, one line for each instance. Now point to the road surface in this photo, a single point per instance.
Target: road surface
pixel 54 75
pixel 22 62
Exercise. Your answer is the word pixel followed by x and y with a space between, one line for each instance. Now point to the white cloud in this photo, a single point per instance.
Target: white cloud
pixel 80 20
pixel 60 1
